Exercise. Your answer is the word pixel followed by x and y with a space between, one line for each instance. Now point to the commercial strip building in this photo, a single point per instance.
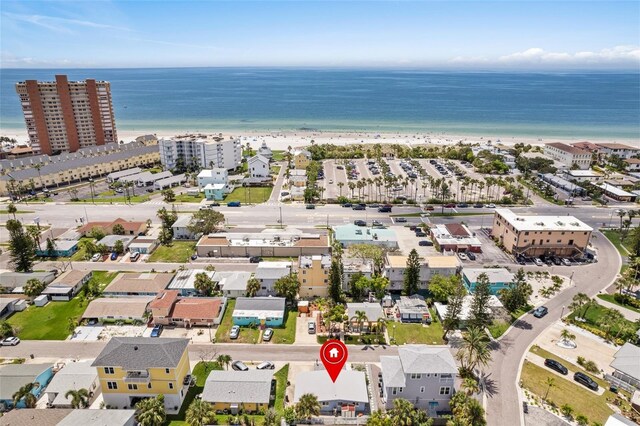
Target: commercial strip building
pixel 347 396
pixel 67 115
pixel 134 368
pixel 268 243
pixel 455 237
pixel 67 168
pixel 115 176
pixel 616 193
pixel 351 234
pixel 568 155
pixel 540 235
pixel 205 151
pixel 563 184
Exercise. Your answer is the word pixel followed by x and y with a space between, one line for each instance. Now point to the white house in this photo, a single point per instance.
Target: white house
pixel 258 167
pixel 267 273
pixel 265 151
pixel 180 228
pixel 213 177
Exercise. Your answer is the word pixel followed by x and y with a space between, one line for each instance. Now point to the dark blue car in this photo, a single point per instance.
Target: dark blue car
pixel 157 330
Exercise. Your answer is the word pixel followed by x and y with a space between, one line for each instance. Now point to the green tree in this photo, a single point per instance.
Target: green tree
pixel 470 386
pixel 404 413
pixel 12 209
pixel 307 406
pixel 118 247
pixel 96 233
pixel 567 411
pixel 357 284
pixel 516 294
pixel 550 383
pixel 21 247
pixel 478 315
pixel 168 195
pixel 167 218
pixel 34 287
pixel 253 287
pixel 117 229
pixel 379 286
pixel 200 413
pixel 466 411
pixel 412 274
pixel 442 287
pixel 368 252
pixel 79 398
pixel 335 281
pixel 271 418
pixel 582 420
pixel 379 418
pixel 51 247
pixel 287 287
pixel 6 330
pixel 225 360
pixel 451 320
pixel 150 411
pixel 289 415
pixel 204 222
pixel 26 393
pixel 204 284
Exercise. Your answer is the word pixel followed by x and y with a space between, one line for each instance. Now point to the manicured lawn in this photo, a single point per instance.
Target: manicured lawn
pixel 275 170
pixel 103 278
pixel 416 333
pixel 49 322
pixel 108 193
pixel 82 254
pixel 247 334
pixel 594 316
pixel 177 252
pixel 278 155
pixel 614 237
pixel 609 298
pixel 286 335
pixel 250 195
pixel 186 198
pixel 110 200
pixel 497 328
pixel 570 366
pixel 359 339
pixel 18 212
pixel 281 386
pixel 566 391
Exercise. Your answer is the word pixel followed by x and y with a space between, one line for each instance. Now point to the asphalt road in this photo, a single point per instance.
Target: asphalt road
pixel 503 404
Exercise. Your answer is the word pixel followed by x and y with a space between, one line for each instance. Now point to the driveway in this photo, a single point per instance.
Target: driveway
pixel 302 335
pixel 503 400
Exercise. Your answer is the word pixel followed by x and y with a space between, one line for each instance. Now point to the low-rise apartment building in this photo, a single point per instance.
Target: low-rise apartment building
pixel 301 159
pixel 133 368
pixel 395 266
pixel 313 275
pixel 568 155
pixel 540 235
pixel 621 150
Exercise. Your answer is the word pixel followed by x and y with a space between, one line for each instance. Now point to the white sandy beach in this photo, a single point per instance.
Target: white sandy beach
pixel 281 140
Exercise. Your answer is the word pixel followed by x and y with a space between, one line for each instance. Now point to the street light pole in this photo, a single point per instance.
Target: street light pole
pixel 562 313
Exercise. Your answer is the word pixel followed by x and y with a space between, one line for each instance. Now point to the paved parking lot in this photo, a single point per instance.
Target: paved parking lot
pixel 407 241
pixel 302 334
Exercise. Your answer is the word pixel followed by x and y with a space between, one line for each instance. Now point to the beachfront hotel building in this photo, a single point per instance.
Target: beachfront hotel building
pixel 64 116
pixel 204 151
pixel 569 155
pixel 540 235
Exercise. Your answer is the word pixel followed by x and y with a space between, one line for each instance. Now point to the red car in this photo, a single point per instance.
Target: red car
pixel 429 208
pixel 449 206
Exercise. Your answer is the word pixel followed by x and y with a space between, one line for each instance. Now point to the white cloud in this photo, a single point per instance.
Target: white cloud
pixel 58 24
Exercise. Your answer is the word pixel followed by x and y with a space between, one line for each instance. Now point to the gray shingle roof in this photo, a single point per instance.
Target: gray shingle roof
pixel 272 270
pixel 140 353
pixel 98 418
pixel 238 386
pixel 260 303
pixel 392 374
pixel 427 359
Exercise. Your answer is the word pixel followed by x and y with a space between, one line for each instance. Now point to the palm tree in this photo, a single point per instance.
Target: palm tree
pixel 550 382
pixel 308 406
pixel 225 360
pixel 26 393
pixel 340 185
pixel 200 413
pixel 621 213
pixel 475 413
pixel 470 386
pixel 567 336
pixel 271 418
pixel 150 411
pixel 12 209
pixel 253 287
pixel 361 318
pixel 79 398
pixel 475 350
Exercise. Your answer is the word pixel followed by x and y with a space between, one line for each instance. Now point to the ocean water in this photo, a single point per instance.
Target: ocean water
pixel 571 105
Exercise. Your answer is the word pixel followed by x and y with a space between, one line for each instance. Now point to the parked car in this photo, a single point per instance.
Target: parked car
pixel 429 208
pixel 377 224
pixel 10 341
pixel 239 366
pixel 114 255
pixel 266 366
pixel 310 206
pixel 471 256
pixel 425 243
pixel 463 256
pixel 233 204
pixel 420 233
pixel 384 209
pixel 555 365
pixel 449 206
pixel 234 333
pixel 566 262
pixel 134 256
pixel 267 335
pixel 157 331
pixel 255 259
pixel 331 181
pixel 96 257
pixel 463 205
pixel 538 262
pixel 346 205
pixel 360 223
pixel 194 256
pixel 540 311
pixel 585 380
pixel 215 204
pixel 358 207
pixel 490 206
pixel 478 206
pixel 401 220
pixel 311 327
pixel 189 380
pixel 557 261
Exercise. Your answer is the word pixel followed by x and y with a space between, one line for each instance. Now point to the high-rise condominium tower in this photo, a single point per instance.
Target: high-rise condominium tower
pixel 63 116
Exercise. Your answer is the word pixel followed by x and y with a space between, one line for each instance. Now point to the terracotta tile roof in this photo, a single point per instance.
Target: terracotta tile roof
pixel 165 299
pixel 616 146
pixel 586 145
pixel 196 308
pixel 126 224
pixel 567 148
pixel 456 230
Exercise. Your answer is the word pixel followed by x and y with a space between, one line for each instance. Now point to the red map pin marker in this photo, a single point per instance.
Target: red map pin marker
pixel 334 355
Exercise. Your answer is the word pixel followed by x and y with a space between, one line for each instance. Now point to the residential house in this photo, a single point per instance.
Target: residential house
pixel 212 177
pixel 313 275
pixel 413 309
pixel 8 306
pixel 61 248
pixel 619 420
pixel 268 243
pixel 216 191
pixel 301 159
pixel 263 311
pixel 112 309
pixel 455 237
pixel 347 396
pixel 265 151
pixel 184 281
pixel 15 376
pixel 372 310
pixel 169 308
pixel 134 368
pixel 232 283
pixel 259 167
pixel 499 278
pixel 97 417
pixel 138 284
pixel 143 245
pixel 494 308
pixel 267 273
pixel 110 241
pixel 13 282
pixel 569 155
pixel 626 364
pixel 239 391
pixel 35 416
pixel 540 235
pixel 351 234
pixel 67 285
pixel 352 266
pixel 423 375
pixel 298 181
pixel 73 376
pixel 130 227
pixel 181 228
pixel 395 266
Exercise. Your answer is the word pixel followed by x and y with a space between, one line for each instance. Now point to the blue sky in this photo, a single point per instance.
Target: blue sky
pixel 427 34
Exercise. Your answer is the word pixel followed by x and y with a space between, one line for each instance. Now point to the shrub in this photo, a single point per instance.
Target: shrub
pixel 591 367
pixel 581 361
pixel 567 411
pixel 582 420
